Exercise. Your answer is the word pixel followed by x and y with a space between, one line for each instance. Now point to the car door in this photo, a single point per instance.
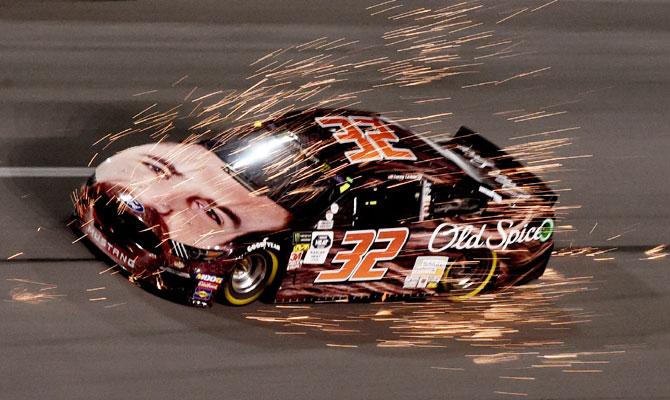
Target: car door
pixel 358 247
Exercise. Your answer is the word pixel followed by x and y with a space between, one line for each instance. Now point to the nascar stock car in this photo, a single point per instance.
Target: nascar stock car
pixel 321 204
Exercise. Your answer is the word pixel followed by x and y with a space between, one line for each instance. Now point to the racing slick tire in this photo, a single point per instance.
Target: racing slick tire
pixel 251 277
pixel 469 274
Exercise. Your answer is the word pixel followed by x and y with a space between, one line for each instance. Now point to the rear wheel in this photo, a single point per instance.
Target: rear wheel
pixel 251 276
pixel 469 274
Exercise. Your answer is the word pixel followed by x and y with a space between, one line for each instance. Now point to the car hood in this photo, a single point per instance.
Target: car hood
pixel 169 186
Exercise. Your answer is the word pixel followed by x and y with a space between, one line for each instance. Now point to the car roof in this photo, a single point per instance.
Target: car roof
pixel 328 155
pixel 303 124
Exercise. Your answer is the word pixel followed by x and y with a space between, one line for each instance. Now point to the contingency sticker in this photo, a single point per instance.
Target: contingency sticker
pixel 205 290
pixel 325 224
pixel 319 248
pixel 427 272
pixel 295 259
pixel 207 286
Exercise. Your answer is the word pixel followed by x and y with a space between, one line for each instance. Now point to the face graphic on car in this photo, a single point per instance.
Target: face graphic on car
pixel 199 202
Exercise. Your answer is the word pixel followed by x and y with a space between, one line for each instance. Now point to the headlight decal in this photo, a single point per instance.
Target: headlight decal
pixel 179 249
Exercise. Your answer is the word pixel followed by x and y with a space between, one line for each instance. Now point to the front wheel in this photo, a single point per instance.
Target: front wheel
pixel 251 276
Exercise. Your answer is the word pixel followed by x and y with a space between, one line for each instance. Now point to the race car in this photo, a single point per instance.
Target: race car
pixel 320 205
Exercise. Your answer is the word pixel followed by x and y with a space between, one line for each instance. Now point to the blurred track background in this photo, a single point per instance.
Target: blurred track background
pixel 71 72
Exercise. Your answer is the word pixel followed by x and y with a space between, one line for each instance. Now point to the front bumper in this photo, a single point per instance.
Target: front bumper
pixel 125 239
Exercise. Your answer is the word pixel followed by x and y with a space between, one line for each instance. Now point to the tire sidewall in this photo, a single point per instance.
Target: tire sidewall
pixel 230 296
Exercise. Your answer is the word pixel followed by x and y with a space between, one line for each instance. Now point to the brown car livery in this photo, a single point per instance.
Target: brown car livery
pixel 320 205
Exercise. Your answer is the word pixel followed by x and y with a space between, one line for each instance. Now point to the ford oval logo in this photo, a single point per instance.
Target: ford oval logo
pixel 132 203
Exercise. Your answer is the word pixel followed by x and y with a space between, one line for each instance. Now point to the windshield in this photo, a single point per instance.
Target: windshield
pixel 275 164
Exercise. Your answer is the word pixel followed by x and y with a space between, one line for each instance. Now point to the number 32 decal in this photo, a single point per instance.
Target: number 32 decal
pixel 373 144
pixel 358 264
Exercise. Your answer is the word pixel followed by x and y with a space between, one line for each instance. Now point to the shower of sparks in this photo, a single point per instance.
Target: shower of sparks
pixel 656 253
pixel 423 46
pixel 487 321
pixel 32 292
pixel 500 327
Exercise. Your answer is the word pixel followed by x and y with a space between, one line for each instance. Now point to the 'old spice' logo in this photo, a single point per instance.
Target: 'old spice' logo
pixel 111 249
pixel 451 236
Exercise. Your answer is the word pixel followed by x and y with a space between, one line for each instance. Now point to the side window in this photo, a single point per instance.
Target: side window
pixel 386 205
pixel 344 211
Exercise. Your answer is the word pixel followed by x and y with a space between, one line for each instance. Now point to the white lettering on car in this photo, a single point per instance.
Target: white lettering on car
pixel 111 249
pixel 451 236
pixel 263 245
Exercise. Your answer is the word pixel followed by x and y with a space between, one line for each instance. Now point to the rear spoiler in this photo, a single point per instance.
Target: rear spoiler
pixel 479 152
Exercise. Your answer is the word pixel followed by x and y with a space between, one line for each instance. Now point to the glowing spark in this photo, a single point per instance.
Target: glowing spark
pixel 180 80
pixel 495 358
pixel 114 305
pixel 108 269
pixel 20 253
pixel 149 228
pixel 23 295
pixel 520 378
pixel 524 74
pixel 511 393
pixel 380 4
pixel 145 110
pixel 513 15
pixel 541 114
pixel 79 238
pixel 432 100
pixel 386 9
pixel 544 5
pixel 143 93
pixel 655 253
pixel 189 94
pixel 479 84
pixel 92 158
pixel 582 371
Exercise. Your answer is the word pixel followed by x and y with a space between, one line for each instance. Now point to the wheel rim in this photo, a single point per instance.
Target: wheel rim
pixel 466 278
pixel 249 273
pixel 465 275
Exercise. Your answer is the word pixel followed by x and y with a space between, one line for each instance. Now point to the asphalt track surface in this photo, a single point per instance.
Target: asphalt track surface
pixel 595 327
